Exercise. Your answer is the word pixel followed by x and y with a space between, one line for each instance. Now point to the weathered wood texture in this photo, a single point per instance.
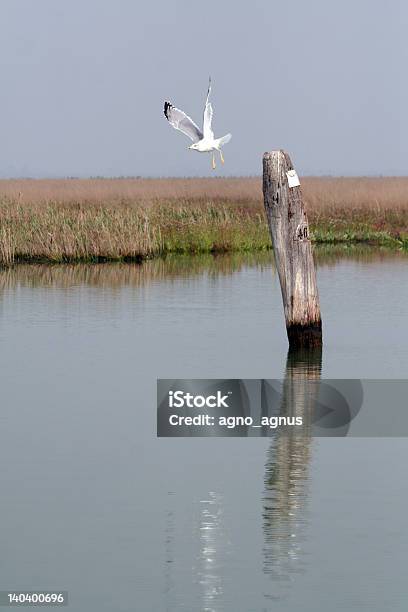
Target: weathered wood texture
pixel 293 252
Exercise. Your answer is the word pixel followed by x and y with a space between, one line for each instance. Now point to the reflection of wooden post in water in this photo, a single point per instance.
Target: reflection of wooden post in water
pixel 293 253
pixel 286 470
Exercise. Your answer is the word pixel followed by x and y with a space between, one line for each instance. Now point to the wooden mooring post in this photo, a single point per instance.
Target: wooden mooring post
pixel 293 252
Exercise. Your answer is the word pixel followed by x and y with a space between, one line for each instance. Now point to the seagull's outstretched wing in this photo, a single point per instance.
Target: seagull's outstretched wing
pixel 180 121
pixel 208 115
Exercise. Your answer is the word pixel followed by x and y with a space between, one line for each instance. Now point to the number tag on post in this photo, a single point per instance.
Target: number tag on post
pixel 293 178
pixel 302 232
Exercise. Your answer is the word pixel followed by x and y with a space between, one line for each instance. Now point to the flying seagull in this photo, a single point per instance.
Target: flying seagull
pixel 203 141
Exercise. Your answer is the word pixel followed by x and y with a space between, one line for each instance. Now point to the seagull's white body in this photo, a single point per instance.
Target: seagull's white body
pixel 206 145
pixel 203 141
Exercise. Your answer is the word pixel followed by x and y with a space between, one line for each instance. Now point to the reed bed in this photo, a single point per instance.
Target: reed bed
pixel 95 220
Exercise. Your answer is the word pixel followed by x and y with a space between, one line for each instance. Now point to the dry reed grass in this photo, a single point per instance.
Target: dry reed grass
pixel 319 192
pixel 133 219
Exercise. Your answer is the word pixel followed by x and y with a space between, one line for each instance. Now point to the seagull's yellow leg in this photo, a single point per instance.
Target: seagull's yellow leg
pixel 213 161
pixel 222 158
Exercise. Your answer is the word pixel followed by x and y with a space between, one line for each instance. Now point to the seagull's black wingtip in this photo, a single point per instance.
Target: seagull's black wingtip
pixel 167 107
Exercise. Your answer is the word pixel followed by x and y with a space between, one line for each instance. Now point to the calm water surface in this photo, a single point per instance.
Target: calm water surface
pixel 92 502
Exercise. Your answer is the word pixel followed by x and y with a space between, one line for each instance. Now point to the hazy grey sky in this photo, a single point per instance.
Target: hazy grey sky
pixel 83 84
